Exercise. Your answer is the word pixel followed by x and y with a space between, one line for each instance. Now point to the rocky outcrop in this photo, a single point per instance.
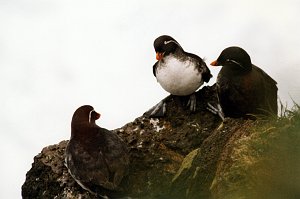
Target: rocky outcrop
pixel 183 155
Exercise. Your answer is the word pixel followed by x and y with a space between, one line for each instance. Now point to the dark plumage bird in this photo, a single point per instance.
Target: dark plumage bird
pixel 95 157
pixel 243 88
pixel 178 72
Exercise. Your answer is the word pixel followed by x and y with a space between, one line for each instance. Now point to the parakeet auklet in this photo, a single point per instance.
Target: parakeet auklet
pixel 178 72
pixel 243 88
pixel 95 157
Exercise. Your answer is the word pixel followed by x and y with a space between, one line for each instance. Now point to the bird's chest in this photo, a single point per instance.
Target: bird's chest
pixel 178 77
pixel 237 89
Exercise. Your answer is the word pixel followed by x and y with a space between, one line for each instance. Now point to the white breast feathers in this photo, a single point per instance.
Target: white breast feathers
pixel 178 77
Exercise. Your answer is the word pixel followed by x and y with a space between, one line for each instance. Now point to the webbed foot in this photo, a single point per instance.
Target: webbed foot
pixel 217 111
pixel 159 110
pixel 192 102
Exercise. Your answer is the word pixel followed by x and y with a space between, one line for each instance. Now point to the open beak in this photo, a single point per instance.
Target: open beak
pixel 215 63
pixel 159 56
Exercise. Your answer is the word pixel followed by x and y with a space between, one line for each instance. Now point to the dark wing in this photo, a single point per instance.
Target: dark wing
pixel 269 79
pixel 101 161
pixel 86 168
pixel 202 67
pixel 154 69
pixel 116 156
pixel 206 75
pixel 270 88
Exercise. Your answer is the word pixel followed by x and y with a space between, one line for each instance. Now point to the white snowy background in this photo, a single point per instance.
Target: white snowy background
pixel 56 55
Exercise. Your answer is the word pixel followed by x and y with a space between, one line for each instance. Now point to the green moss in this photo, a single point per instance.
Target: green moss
pixel 265 164
pixel 186 163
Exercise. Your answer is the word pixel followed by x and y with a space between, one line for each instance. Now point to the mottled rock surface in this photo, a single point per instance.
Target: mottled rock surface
pixel 183 155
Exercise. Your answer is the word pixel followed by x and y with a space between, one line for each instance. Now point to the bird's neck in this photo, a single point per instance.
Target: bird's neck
pixel 236 69
pixel 83 129
pixel 177 54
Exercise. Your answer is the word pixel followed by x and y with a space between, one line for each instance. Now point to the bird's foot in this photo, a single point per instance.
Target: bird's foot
pixel 101 196
pixel 192 102
pixel 217 111
pixel 159 110
pixel 104 197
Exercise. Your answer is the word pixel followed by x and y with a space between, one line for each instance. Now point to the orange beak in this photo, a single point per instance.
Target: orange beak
pixel 97 115
pixel 215 63
pixel 159 56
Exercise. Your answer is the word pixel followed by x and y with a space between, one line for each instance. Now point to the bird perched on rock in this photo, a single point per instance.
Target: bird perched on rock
pixel 243 88
pixel 95 157
pixel 180 73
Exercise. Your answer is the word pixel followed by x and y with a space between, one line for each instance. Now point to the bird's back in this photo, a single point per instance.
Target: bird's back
pixel 115 150
pixel 98 160
pixel 268 86
pixel 253 92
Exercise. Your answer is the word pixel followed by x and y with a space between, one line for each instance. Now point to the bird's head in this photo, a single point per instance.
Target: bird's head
pixel 234 57
pixel 164 45
pixel 85 114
